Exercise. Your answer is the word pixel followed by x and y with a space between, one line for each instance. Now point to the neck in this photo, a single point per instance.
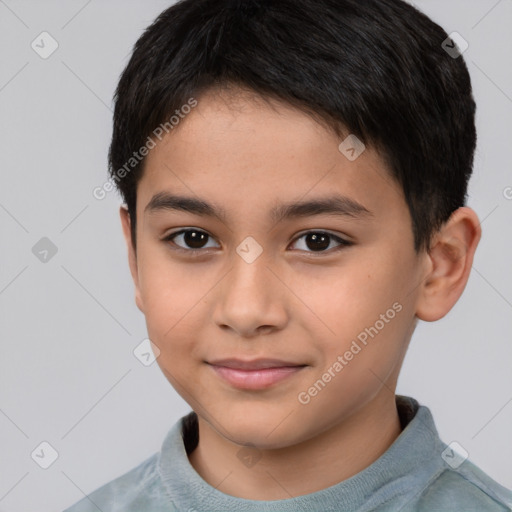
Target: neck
pixel 325 460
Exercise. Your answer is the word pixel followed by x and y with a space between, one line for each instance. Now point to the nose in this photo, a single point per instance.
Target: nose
pixel 251 300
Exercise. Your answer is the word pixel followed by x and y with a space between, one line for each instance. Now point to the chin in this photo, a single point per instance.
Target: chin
pixel 260 440
pixel 264 431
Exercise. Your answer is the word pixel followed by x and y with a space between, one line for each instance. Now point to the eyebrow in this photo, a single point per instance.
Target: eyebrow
pixel 332 205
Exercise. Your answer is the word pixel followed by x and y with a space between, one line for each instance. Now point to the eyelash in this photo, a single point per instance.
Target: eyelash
pixel 197 252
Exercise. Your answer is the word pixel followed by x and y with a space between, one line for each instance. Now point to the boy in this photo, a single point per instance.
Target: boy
pixel 295 177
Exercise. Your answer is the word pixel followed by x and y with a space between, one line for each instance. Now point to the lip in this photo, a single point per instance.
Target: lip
pixel 254 364
pixel 255 374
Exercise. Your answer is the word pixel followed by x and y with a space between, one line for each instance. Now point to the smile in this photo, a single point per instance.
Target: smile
pixel 254 375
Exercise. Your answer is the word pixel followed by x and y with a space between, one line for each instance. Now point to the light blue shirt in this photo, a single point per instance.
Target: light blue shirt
pixel 418 472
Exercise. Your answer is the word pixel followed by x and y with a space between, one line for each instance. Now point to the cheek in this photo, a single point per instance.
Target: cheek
pixel 167 287
pixel 364 312
pixel 350 299
pixel 173 297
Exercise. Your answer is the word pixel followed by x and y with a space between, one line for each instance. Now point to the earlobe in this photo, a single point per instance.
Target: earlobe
pixel 132 256
pixel 450 259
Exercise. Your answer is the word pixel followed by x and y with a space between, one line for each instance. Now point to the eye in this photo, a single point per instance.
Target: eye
pixel 319 241
pixel 192 238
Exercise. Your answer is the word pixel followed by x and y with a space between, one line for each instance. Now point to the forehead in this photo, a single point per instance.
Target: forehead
pixel 248 155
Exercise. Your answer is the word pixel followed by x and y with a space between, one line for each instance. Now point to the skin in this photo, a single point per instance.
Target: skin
pixel 293 302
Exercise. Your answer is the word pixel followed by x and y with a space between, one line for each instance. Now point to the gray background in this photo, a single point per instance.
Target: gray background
pixel 69 326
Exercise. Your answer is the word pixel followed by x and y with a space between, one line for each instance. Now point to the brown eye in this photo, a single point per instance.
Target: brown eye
pixel 320 241
pixel 317 241
pixel 190 239
pixel 195 239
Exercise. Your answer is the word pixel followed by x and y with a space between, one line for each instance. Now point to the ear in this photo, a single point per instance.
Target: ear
pixel 450 258
pixel 132 256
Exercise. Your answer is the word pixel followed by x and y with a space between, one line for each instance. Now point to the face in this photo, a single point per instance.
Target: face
pixel 274 322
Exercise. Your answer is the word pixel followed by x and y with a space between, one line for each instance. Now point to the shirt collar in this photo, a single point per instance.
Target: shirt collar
pixel 412 458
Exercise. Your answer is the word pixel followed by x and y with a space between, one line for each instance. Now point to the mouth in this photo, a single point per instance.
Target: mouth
pixel 256 374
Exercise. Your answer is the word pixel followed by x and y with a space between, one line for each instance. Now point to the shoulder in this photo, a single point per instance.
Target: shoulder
pixel 133 491
pixel 466 488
